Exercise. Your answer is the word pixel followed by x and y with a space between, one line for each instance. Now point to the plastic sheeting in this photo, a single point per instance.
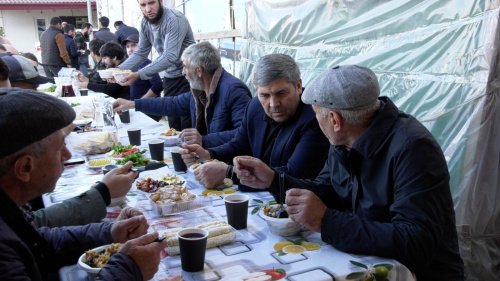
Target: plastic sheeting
pixel 437 60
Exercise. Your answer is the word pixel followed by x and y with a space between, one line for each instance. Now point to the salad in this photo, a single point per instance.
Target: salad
pixel 120 150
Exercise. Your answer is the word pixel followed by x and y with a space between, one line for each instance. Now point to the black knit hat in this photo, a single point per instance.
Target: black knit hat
pixel 27 116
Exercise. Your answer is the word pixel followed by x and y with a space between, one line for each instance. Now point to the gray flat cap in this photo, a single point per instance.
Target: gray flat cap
pixel 27 116
pixel 347 87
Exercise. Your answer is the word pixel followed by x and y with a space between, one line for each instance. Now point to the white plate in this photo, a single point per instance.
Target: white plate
pixel 99 166
pixel 91 271
pixel 83 121
pixel 157 177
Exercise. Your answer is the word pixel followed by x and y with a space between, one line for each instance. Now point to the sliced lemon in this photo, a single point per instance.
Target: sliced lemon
pixel 310 246
pixel 206 191
pixel 215 193
pixel 228 191
pixel 293 249
pixel 279 246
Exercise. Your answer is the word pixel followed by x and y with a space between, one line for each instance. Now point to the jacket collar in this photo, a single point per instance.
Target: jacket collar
pixel 213 86
pixel 368 143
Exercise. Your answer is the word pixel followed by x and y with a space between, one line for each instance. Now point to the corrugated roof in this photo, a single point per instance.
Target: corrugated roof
pixel 24 2
pixel 45 4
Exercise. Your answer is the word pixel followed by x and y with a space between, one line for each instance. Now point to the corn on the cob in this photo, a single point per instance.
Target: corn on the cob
pixel 219 233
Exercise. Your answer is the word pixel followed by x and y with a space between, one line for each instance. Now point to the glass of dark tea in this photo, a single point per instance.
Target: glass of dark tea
pixel 192 245
pixel 237 210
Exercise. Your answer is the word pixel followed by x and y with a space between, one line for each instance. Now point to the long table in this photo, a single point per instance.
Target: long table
pixel 253 251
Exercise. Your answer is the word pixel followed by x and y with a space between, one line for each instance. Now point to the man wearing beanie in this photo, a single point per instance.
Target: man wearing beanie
pixel 384 190
pixel 31 161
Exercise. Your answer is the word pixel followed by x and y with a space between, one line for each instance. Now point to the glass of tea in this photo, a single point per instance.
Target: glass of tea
pixel 192 245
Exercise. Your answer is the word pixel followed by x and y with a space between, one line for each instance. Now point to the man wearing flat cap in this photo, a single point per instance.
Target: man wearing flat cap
pixel 31 161
pixel 23 73
pixel 384 190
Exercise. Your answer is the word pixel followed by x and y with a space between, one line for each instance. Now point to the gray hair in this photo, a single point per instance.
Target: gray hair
pixel 37 149
pixel 273 67
pixel 203 54
pixel 360 118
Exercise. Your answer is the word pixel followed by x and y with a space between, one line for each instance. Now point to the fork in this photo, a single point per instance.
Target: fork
pixel 282 193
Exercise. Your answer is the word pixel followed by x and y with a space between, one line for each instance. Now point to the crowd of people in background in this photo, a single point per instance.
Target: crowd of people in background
pixel 355 168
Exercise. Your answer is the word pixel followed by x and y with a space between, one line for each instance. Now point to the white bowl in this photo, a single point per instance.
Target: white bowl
pixel 170 140
pixel 120 75
pixel 106 73
pixel 91 271
pixel 281 227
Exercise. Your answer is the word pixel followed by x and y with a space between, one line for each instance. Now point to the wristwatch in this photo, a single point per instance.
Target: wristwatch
pixel 228 180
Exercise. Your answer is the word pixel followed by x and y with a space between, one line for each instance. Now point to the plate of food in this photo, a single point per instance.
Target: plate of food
pixel 93 260
pixel 152 183
pixel 99 163
pixel 199 163
pixel 105 73
pixel 171 137
pixel 120 74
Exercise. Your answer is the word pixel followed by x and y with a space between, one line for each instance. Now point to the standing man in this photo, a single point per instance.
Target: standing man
pixel 81 39
pixel 123 31
pixel 53 46
pixel 384 189
pixel 104 33
pixel 170 33
pixel 69 32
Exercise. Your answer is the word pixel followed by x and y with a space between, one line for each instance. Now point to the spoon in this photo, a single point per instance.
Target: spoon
pixel 280 213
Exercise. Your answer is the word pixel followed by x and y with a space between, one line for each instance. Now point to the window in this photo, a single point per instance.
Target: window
pixel 40 26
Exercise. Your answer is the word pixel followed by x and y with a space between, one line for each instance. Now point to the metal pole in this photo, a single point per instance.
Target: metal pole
pixel 89 16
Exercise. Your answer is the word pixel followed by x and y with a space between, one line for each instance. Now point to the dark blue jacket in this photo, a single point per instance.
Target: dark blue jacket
pixel 140 87
pixel 223 116
pixel 300 149
pixel 389 196
pixel 125 31
pixel 72 51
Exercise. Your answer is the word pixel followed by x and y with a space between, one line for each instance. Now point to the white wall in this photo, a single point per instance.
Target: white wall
pixel 20 28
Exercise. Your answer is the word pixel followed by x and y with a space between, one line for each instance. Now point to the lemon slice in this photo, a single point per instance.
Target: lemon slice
pixel 293 249
pixel 228 191
pixel 279 246
pixel 310 246
pixel 215 193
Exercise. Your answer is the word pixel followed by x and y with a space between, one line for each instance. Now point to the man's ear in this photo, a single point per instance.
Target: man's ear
pixel 336 120
pixel 199 71
pixel 299 86
pixel 24 167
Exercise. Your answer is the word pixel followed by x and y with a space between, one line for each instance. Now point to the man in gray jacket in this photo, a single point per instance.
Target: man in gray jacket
pixel 169 32
pixel 34 143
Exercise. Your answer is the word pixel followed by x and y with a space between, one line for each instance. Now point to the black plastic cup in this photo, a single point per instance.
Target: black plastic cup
pixel 134 136
pixel 156 149
pixel 84 92
pixel 193 246
pixel 237 210
pixel 125 116
pixel 179 165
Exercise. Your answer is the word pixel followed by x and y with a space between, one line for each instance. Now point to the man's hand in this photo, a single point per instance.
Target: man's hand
pixel 146 253
pixel 129 212
pixel 197 150
pixel 129 79
pixel 306 208
pixel 211 174
pixel 119 180
pixel 191 136
pixel 122 104
pixel 83 85
pixel 81 77
pixel 126 229
pixel 253 172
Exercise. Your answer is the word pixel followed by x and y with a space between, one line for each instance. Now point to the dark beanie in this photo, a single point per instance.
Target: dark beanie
pixel 27 116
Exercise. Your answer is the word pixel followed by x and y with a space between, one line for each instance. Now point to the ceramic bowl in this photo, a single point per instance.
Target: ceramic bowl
pixel 281 227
